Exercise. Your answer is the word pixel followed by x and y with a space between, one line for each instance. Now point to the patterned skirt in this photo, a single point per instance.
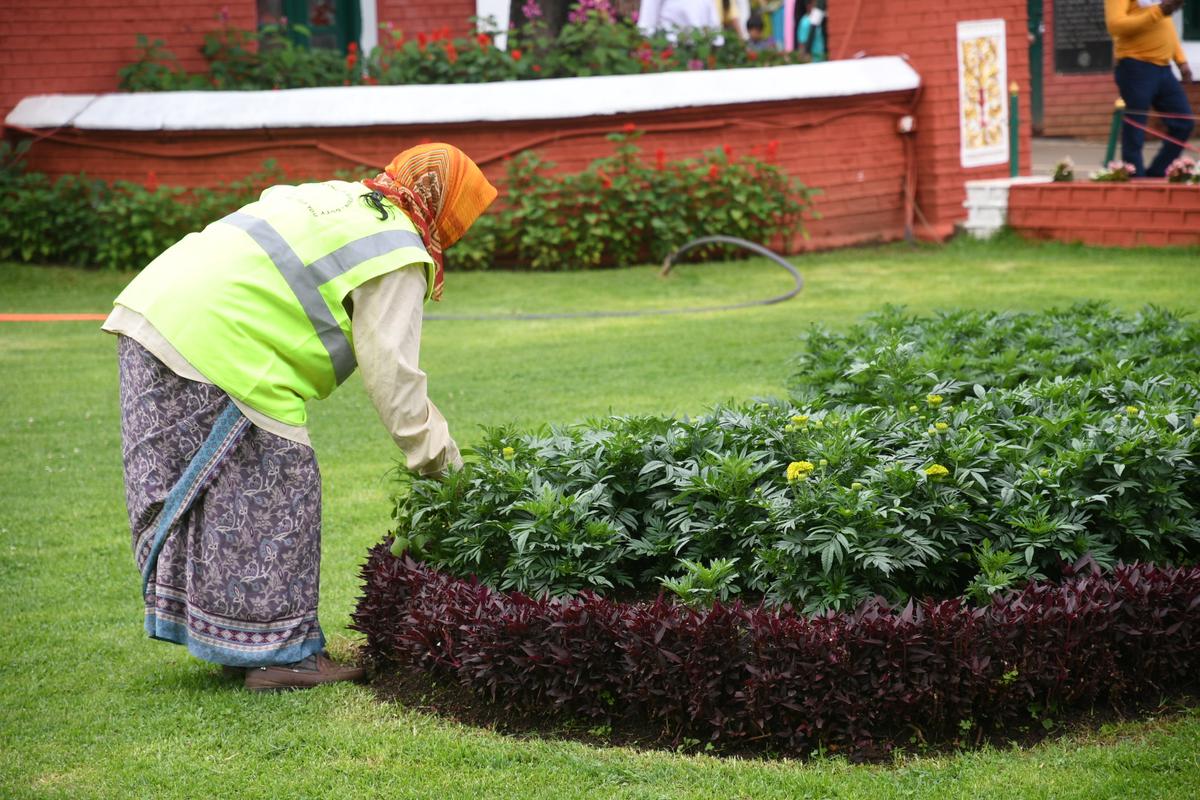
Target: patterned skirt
pixel 226 520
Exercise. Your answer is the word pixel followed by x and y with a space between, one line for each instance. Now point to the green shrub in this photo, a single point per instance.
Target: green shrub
pixel 621 211
pixel 593 43
pixel 125 225
pixel 824 506
pixel 891 356
pixel 156 70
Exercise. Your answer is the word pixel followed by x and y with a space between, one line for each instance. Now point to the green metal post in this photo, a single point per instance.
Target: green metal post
pixel 1014 132
pixel 1114 133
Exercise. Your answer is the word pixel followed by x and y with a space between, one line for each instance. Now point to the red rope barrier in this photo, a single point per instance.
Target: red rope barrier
pixel 1160 135
pixel 1161 114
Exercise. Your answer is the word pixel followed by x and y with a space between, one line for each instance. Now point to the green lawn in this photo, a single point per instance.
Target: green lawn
pixel 90 708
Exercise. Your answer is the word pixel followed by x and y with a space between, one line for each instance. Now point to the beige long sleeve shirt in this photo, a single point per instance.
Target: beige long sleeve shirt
pixel 386 324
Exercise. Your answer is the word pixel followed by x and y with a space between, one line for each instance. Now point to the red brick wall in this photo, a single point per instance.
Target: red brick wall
pixel 847 147
pixel 1138 214
pixel 48 46
pixel 1080 105
pixel 925 31
pixel 412 16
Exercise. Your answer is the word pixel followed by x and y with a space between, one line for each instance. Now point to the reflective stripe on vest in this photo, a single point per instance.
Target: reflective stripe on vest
pixel 305 280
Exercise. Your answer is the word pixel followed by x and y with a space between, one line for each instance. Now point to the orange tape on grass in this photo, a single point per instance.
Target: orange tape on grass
pixel 53 317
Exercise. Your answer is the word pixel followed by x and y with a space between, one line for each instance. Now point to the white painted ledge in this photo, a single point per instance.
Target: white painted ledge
pixel 987 203
pixel 559 98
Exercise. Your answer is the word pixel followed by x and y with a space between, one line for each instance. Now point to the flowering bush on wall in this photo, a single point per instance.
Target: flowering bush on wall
pixel 1064 171
pixel 593 42
pixel 1115 171
pixel 1183 170
pixel 622 210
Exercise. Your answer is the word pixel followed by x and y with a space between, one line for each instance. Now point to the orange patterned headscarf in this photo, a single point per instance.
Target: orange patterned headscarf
pixel 441 190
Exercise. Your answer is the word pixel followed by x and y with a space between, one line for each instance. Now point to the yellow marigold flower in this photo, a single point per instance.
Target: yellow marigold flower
pixel 912 408
pixel 933 399
pixel 941 426
pixel 508 452
pixel 937 471
pixel 789 428
pixel 799 470
pixel 800 419
pixel 1132 411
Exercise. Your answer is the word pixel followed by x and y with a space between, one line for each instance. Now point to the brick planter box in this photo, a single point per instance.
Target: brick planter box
pixel 1141 213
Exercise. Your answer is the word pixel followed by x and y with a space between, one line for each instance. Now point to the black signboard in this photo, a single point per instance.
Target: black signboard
pixel 1081 42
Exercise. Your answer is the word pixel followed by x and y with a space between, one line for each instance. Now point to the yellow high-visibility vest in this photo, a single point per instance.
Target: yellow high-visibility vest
pixel 255 301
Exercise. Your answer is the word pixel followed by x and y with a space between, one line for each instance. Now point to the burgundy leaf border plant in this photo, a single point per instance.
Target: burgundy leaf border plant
pixel 742 677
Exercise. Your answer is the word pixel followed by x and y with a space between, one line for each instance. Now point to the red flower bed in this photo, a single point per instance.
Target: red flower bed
pixel 756 677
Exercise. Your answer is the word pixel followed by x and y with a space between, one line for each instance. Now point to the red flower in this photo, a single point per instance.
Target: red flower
pixel 484 40
pixel 605 181
pixel 371 80
pixel 536 68
pixel 451 52
pixel 629 127
pixel 752 55
pixel 151 181
pixel 666 54
pixel 772 149
pixel 516 55
pixel 352 47
pixel 422 40
pixel 660 159
pixel 714 172
pixel 728 151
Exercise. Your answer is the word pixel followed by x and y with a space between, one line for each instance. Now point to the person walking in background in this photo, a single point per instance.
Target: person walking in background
pixel 810 33
pixel 1144 44
pixel 221 340
pixel 673 16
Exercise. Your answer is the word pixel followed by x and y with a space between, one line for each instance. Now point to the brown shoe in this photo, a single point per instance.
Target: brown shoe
pixel 312 671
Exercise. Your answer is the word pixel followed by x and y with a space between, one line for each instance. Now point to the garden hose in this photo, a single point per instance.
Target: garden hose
pixel 667 264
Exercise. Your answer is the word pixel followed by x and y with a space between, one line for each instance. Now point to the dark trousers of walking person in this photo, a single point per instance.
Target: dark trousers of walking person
pixel 1145 86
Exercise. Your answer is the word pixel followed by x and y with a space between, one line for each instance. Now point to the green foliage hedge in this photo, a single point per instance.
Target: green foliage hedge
pixel 617 211
pixel 593 42
pixel 122 225
pixel 892 355
pixel 621 210
pixel 965 489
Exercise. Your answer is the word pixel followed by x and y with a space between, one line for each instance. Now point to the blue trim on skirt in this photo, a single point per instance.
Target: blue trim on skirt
pixel 176 633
